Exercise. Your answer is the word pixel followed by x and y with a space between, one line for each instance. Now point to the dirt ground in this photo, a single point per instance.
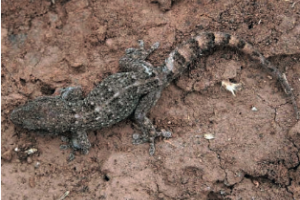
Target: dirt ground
pixel 47 45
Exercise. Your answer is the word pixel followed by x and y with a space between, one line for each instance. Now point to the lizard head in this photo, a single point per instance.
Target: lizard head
pixel 44 113
pixel 29 115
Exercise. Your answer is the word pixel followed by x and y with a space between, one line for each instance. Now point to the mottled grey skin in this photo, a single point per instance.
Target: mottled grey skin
pixel 133 91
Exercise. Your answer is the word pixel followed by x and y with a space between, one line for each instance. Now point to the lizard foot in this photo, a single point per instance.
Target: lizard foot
pixel 65 139
pixel 71 157
pixel 163 133
pixel 64 146
pixel 140 139
pixel 81 142
pixel 83 145
pixel 141 53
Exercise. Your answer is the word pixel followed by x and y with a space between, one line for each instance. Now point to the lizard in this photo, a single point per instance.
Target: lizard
pixel 131 92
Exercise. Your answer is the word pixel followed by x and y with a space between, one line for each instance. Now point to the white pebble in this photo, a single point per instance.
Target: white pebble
pixel 209 136
pixel 31 151
pixel 254 109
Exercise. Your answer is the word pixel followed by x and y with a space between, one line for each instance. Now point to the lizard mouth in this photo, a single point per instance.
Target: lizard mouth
pixel 21 117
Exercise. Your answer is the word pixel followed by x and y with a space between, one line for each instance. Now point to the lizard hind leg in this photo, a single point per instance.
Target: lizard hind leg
pixel 80 141
pixel 149 132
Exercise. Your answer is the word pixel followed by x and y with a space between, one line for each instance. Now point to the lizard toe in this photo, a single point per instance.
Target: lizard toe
pixel 166 134
pixel 152 147
pixel 64 139
pixel 64 146
pixel 137 139
pixel 71 157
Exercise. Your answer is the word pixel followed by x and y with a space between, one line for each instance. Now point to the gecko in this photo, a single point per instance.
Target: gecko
pixel 131 92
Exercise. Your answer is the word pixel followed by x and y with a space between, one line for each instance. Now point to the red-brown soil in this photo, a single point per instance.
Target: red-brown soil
pixel 47 45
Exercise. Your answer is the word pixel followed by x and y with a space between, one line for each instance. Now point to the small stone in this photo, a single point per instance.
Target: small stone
pixel 101 33
pixel 230 69
pixel 184 179
pixel 31 182
pixel 185 83
pixel 254 109
pixel 29 160
pixel 202 85
pixel 287 23
pixel 23 168
pixel 161 196
pixel 209 136
pixel 31 151
pixel 7 156
pixel 37 164
pixel 111 44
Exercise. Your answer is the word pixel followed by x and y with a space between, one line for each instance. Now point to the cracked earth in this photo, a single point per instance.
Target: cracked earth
pixel 48 45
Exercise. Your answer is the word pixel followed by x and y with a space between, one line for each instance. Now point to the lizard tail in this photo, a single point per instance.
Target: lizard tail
pixel 191 50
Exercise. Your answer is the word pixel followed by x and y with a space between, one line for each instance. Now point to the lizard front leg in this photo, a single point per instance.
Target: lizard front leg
pixel 134 59
pixel 80 141
pixel 149 132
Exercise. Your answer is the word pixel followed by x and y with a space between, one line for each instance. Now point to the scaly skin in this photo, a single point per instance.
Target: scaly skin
pixel 133 91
